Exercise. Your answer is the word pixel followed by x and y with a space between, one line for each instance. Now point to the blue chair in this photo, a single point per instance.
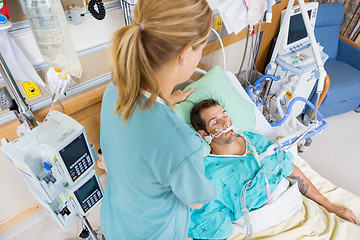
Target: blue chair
pixel 343 65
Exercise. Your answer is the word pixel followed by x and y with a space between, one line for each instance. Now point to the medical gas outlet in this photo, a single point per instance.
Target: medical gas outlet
pixel 31 89
pixel 5 99
pixel 218 23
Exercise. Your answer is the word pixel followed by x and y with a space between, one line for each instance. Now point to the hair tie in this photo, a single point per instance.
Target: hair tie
pixel 142 28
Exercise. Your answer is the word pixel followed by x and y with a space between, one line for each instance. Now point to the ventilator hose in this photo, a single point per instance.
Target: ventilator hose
pixel 258 81
pixel 309 134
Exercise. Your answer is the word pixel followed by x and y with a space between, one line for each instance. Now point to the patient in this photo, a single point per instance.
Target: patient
pixel 231 164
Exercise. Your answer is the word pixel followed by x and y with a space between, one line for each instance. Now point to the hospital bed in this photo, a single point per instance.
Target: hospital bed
pixel 310 220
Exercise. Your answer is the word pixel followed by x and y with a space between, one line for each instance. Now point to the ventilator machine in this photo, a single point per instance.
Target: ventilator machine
pixel 295 67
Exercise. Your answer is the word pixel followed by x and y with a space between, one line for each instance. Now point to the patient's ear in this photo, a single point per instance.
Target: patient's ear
pixel 202 133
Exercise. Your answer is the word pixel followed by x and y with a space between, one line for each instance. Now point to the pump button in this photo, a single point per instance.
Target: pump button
pixel 3 19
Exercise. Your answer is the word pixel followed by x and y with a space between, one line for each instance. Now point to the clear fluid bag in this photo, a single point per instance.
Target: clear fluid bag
pixel 50 29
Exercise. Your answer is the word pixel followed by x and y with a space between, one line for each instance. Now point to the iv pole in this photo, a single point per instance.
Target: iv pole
pixel 21 109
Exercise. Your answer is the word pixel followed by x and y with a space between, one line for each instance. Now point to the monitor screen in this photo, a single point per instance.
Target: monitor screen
pixel 87 190
pixel 297 30
pixel 76 150
pixel 88 194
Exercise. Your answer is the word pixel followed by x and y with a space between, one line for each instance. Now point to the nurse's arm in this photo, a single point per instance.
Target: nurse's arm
pixel 310 191
pixel 196 206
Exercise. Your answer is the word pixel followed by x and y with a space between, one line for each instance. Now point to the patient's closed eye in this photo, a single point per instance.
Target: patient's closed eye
pixel 215 122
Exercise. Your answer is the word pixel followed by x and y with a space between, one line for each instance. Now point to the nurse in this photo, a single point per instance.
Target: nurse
pixel 154 160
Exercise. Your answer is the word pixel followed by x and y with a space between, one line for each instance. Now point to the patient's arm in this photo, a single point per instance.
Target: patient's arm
pixel 309 190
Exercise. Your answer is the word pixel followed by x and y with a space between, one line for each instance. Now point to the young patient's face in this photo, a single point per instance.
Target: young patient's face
pixel 216 118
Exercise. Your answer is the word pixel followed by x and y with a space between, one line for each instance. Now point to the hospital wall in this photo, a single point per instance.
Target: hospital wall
pixel 90 34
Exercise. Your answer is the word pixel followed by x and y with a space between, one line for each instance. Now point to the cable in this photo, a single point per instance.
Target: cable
pixel 222 47
pixel 246 46
pixel 100 13
pixel 257 43
pixel 250 57
pixel 217 40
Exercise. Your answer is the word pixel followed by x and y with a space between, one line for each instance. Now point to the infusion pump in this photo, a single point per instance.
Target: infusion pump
pixel 56 161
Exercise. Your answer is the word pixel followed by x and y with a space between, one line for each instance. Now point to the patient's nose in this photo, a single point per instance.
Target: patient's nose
pixel 226 122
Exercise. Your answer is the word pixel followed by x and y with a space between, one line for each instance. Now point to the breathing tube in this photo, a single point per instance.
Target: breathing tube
pixel 257 84
pixel 244 209
pixel 218 133
pixel 266 172
pixel 307 135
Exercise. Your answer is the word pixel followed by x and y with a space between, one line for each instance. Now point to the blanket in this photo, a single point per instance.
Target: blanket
pixel 312 221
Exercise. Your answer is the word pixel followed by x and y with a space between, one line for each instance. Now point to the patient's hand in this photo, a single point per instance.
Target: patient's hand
pixel 345 213
pixel 179 96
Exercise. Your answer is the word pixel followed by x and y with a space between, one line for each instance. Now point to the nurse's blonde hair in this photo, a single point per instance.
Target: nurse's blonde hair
pixel 163 30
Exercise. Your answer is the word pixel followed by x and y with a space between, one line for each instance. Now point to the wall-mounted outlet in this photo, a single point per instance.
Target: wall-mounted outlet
pixel 5 98
pixel 31 89
pixel 218 22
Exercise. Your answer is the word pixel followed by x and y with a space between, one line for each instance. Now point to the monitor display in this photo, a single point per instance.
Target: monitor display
pixel 75 151
pixel 297 30
pixel 88 194
pixel 86 190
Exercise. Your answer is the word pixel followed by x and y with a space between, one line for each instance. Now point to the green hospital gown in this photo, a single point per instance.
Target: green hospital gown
pixel 228 174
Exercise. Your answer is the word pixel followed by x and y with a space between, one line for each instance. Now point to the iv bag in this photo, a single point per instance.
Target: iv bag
pixel 256 9
pixel 49 26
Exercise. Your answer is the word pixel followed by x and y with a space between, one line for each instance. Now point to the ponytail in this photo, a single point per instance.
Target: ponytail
pixel 164 29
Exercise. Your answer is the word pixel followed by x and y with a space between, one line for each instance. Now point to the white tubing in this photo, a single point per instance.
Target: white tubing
pixel 222 47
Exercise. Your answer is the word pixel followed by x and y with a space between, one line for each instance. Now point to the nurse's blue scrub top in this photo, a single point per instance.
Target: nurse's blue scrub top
pixel 155 170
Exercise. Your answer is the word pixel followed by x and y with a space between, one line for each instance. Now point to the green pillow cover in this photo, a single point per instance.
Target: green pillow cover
pixel 217 85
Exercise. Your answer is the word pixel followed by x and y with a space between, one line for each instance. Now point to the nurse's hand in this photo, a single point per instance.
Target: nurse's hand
pixel 179 96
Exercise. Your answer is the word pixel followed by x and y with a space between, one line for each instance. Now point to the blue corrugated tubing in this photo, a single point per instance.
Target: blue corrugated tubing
pixel 309 134
pixel 258 81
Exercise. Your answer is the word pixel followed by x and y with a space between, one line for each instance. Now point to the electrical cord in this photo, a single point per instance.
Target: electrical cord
pixel 217 41
pixel 100 13
pixel 222 47
pixel 257 44
pixel 246 46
